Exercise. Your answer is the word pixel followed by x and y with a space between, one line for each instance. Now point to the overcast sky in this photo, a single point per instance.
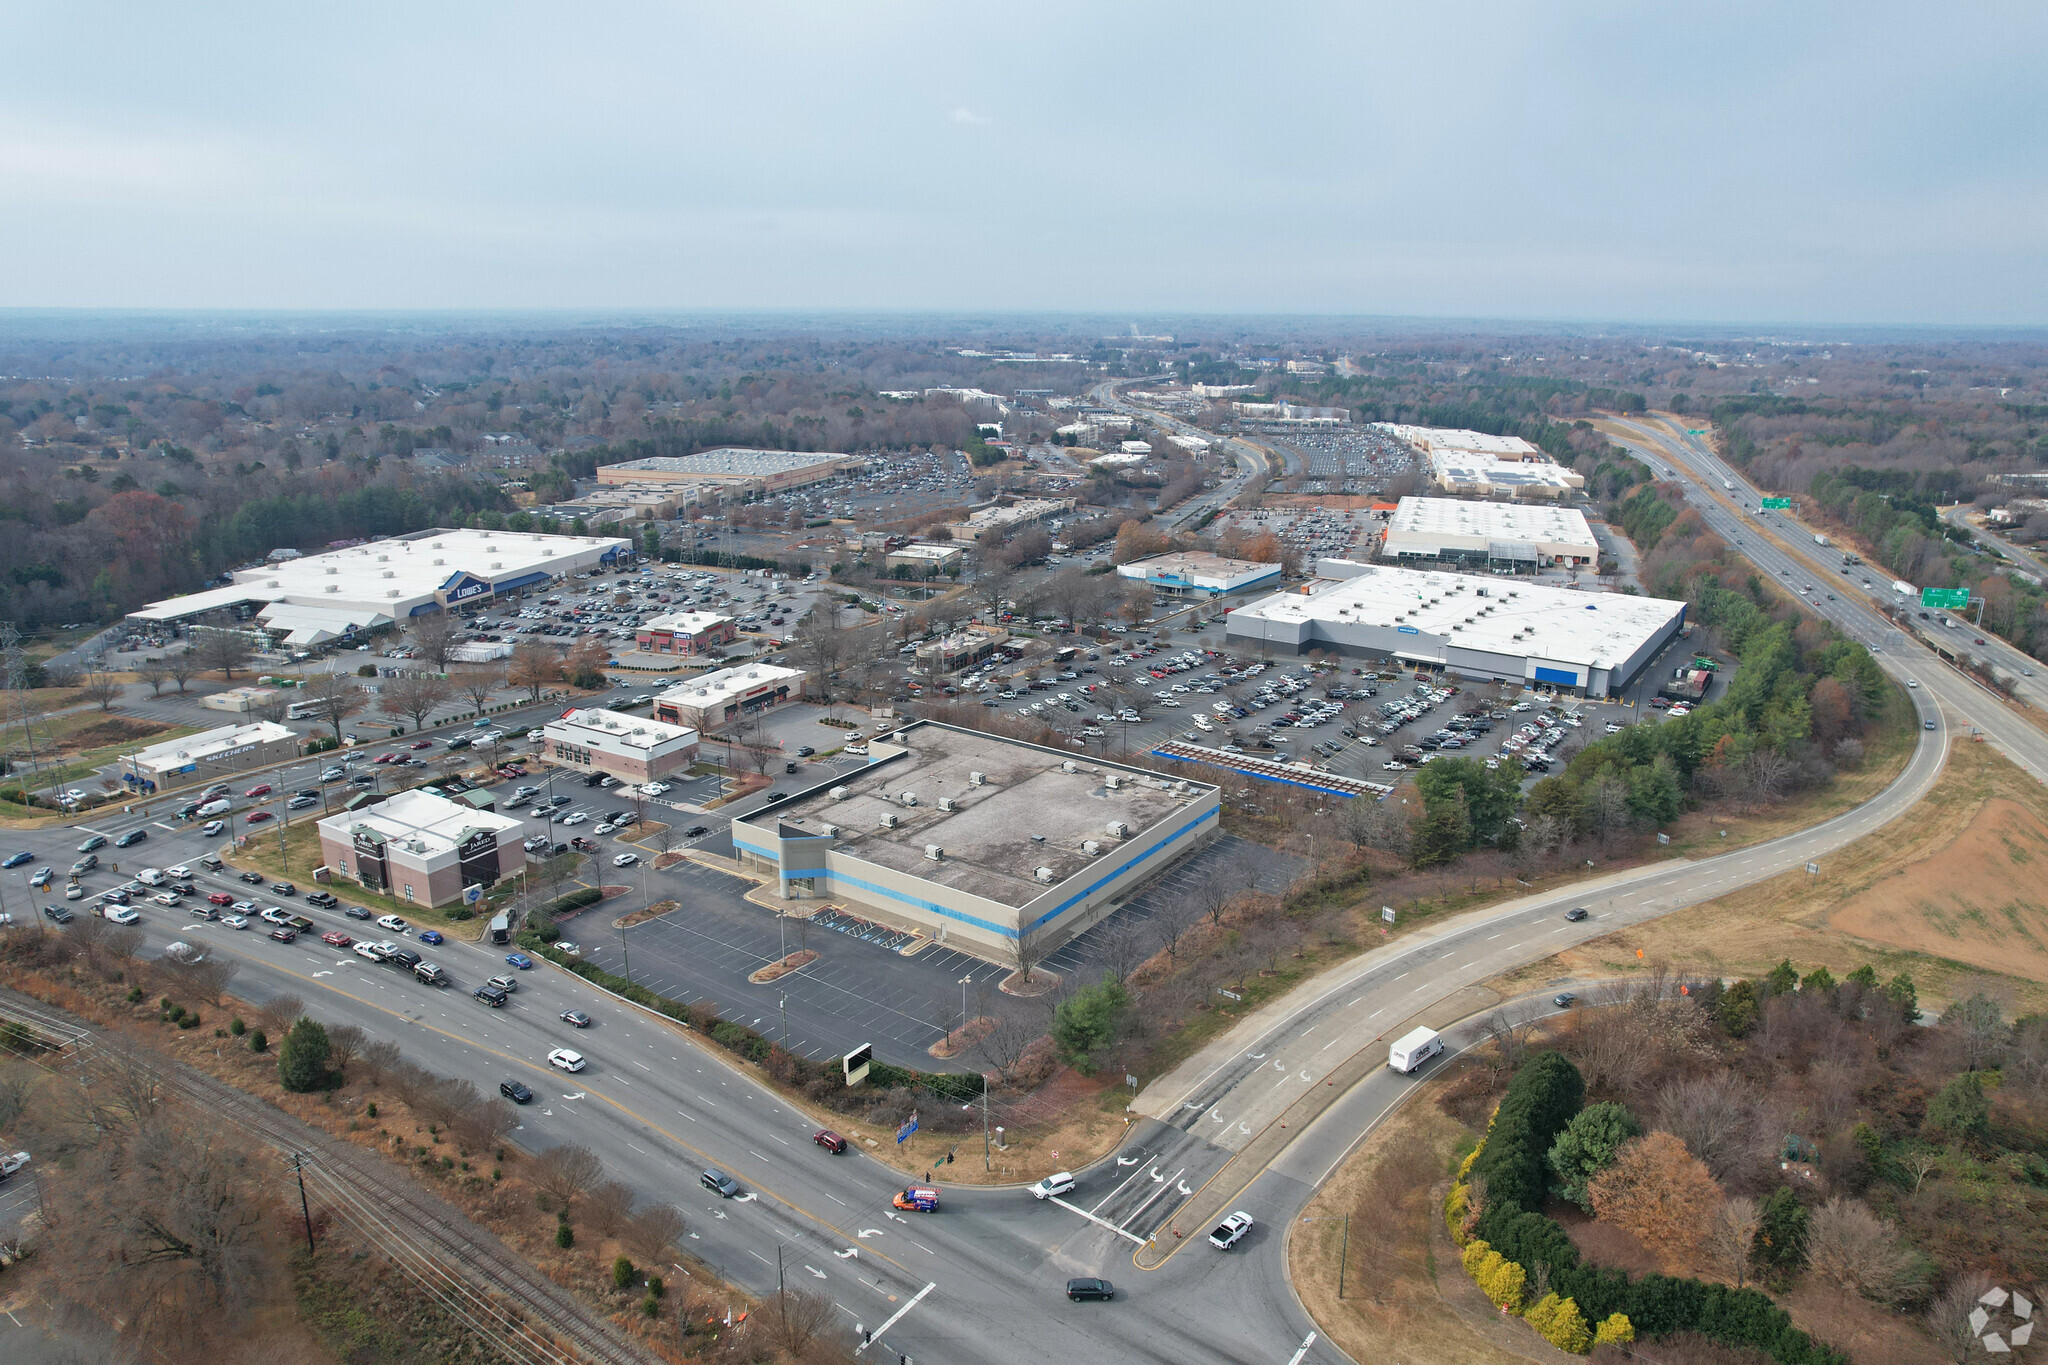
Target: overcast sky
pixel 1778 162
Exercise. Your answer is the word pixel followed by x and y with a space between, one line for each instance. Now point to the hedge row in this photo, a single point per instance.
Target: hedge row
pixel 955 1087
pixel 1512 1235
pixel 562 905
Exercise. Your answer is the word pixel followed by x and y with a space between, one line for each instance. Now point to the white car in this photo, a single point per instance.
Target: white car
pixel 655 788
pixel 391 923
pixel 625 860
pixel 12 1162
pixel 235 921
pixel 373 951
pixel 1231 1230
pixel 606 828
pixel 574 817
pixel 1060 1183
pixel 167 898
pixel 180 870
pixel 536 736
pixel 120 914
pixel 565 1059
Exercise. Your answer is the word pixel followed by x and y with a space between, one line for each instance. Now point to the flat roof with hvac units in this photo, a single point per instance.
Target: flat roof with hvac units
pixel 1476 627
pixel 978 840
pixel 1495 532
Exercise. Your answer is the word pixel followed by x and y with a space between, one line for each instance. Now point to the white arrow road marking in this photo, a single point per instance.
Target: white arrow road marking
pixel 323 973
pixel 1279 1065
pixel 1218 1117
pixel 815 1271
pixel 869 1232
pixel 695 1237
pixel 718 1214
pixel 746 1198
pixel 1243 1129
pixel 1182 1186
pixel 851 1253
pixel 895 1216
pixel 1128 1161
pixel 1154 1173
pixel 1256 1056
pixel 577 1096
pixel 1305 1076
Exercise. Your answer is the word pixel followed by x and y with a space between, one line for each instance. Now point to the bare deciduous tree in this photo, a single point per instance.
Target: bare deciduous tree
pixel 534 666
pixel 222 652
pixel 279 1013
pixel 435 635
pixel 414 698
pixel 562 1173
pixel 1169 922
pixel 1718 1117
pixel 483 1124
pixel 654 1230
pixel 608 1207
pixel 1729 1239
pixel 478 683
pixel 98 686
pixel 379 1058
pixel 1948 1318
pixel 153 672
pixel 181 666
pixel 333 698
pixel 1860 1252
pixel 344 1045
pixel 796 1319
pixel 1004 1045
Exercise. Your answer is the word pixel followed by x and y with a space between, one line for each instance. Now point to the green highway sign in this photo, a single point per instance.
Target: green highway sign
pixel 1946 599
pixel 1695 431
pixel 1777 504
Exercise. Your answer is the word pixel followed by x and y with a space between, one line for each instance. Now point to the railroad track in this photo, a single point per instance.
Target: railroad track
pixel 464 1267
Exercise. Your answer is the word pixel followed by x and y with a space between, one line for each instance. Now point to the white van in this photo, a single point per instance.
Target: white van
pixel 212 809
pixel 1411 1050
pixel 150 876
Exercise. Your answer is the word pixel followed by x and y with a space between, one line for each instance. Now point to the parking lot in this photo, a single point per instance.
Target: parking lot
pixel 1363 461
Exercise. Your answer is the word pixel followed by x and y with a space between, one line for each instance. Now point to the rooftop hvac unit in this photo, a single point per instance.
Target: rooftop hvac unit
pixel 888 819
pixel 1038 838
pixel 933 853
pixel 837 793
pixel 945 803
pixel 440 561
pixel 389 574
pixel 497 563
pixel 331 570
pixel 383 559
pixel 1044 874
pixel 1113 782
pixel 908 798
pixel 973 779
pixel 830 830
pixel 1117 829
pixel 1091 848
pixel 1069 767
pixel 334 587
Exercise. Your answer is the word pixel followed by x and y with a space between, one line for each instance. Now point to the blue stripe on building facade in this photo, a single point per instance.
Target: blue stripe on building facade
pixel 1004 931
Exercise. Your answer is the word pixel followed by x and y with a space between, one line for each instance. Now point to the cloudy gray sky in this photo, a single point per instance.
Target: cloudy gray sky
pixel 1865 162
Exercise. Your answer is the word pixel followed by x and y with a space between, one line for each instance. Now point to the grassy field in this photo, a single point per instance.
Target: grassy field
pixel 1952 893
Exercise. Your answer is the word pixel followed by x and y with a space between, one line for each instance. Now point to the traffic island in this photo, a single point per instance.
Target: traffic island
pixel 775 971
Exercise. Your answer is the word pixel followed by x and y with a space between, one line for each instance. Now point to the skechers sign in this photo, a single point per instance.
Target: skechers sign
pixel 463 587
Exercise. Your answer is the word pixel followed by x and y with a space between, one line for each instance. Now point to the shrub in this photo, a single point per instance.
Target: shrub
pixel 237 1027
pixel 655 1287
pixel 1455 1206
pixel 1587 1146
pixel 258 1042
pixel 622 1273
pixel 189 1021
pixel 565 1236
pixel 1475 1252
pixel 1781 1238
pixel 1614 1330
pixel 1960 1112
pixel 650 1306
pixel 1502 1281
pixel 1559 1322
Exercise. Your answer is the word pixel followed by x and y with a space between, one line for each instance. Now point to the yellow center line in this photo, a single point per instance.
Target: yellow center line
pixel 550 1073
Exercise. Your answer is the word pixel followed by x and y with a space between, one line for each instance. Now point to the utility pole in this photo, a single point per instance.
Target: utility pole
pixel 299 1169
pixel 987 1160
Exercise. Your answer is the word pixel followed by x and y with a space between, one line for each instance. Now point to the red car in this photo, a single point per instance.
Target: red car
pixel 334 938
pixel 220 898
pixel 260 789
pixel 383 758
pixel 400 760
pixel 256 817
pixel 421 744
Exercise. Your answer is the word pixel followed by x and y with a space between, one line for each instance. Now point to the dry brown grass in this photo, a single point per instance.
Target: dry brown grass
pixel 1950 893
pixel 1392 1308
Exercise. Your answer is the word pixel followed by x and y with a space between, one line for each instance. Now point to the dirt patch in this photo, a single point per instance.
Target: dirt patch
pixel 664 861
pixel 113 730
pixel 1039 982
pixel 776 970
pixel 962 1038
pixel 642 915
pixel 1604 1244
pixel 1980 900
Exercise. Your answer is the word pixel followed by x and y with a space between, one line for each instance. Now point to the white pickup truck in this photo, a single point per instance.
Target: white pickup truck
pixel 1230 1231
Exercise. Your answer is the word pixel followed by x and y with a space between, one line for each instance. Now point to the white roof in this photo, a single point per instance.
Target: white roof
pixel 388 578
pixel 1199 567
pixel 1493 521
pixel 1598 629
pixel 209 744
pixel 732 462
pixel 923 551
pixel 616 730
pixel 417 817
pixel 1440 439
pixel 712 689
pixel 686 622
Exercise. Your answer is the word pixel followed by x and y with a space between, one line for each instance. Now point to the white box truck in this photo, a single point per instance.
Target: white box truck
pixel 1412 1050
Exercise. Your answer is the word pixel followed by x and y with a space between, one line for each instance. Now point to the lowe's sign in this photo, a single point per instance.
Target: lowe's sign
pixel 464 586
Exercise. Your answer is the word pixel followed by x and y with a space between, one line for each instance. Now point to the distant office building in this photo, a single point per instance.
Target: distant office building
pixel 712 701
pixel 769 471
pixel 923 561
pixel 684 633
pixel 1197 573
pixel 631 748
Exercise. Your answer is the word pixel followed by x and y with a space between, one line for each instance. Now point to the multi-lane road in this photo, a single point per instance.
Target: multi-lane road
pixel 982 1279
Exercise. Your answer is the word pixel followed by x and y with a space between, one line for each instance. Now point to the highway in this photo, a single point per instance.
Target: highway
pixel 981 1280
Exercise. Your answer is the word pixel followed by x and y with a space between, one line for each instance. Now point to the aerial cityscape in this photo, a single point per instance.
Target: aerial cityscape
pixel 814 687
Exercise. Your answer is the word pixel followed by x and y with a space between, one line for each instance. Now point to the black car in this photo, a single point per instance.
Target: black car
pixel 1575 914
pixel 695 830
pixel 515 1092
pixel 313 792
pixel 284 888
pixel 355 912
pixel 560 800
pixel 1563 1001
pixel 1078 1290
pixel 58 913
pixel 364 779
pixel 719 1183
pixel 253 878
pixel 131 838
pixel 804 751
pixel 324 899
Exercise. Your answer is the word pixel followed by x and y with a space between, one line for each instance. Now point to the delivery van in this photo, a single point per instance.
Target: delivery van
pixel 1411 1050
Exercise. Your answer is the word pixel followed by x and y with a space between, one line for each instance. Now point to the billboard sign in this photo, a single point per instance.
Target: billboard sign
pixel 1777 504
pixel 1946 599
pixel 855 1064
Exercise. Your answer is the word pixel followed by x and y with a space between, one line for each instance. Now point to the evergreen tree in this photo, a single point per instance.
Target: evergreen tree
pixel 302 1061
